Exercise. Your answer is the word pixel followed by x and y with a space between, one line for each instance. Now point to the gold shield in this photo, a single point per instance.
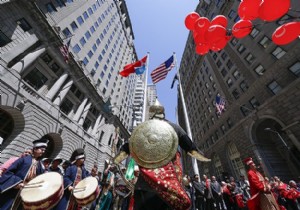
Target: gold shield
pixel 153 143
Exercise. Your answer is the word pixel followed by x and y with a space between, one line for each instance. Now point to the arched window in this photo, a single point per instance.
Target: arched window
pixel 218 166
pixel 50 146
pixel 235 160
pixel 6 125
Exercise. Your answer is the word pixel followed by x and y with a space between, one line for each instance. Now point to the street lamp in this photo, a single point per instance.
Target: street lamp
pixel 280 137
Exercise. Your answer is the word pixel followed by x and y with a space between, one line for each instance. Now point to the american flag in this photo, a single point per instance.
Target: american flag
pixel 220 104
pixel 162 70
pixel 65 51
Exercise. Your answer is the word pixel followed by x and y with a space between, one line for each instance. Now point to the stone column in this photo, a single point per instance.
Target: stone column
pixel 63 93
pixel 80 110
pixel 28 60
pixel 57 85
pixel 84 114
pixel 97 123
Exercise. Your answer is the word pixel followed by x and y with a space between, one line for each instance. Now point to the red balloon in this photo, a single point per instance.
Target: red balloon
pixel 220 20
pixel 202 24
pixel 219 45
pixel 190 20
pixel 202 49
pixel 286 33
pixel 215 33
pixel 271 10
pixel 248 9
pixel 242 28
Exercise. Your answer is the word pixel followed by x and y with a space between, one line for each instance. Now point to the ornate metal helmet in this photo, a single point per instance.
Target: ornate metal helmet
pixel 153 143
pixel 156 110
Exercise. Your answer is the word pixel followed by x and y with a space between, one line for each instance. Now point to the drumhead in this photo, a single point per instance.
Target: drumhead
pixel 41 187
pixel 85 187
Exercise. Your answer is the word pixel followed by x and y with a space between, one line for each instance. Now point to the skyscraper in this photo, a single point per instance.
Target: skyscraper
pixel 59 75
pixel 259 82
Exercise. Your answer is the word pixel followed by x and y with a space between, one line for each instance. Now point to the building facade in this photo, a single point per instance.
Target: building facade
pixel 68 98
pixel 260 84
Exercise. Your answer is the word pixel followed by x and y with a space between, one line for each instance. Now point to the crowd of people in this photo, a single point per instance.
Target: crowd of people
pixel 231 194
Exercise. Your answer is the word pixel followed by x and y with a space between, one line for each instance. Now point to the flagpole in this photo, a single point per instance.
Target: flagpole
pixel 186 118
pixel 145 88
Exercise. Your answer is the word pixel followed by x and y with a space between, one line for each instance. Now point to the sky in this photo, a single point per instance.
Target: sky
pixel 158 27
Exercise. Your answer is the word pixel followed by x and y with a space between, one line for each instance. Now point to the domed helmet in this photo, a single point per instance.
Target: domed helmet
pixel 156 110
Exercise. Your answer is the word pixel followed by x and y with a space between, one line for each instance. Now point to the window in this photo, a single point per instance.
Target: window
pixel 235 93
pixel 70 1
pixel 46 58
pixel 66 106
pixel 229 64
pixel 4 40
pixel 67 32
pixel 85 61
pixel 96 65
pixel 224 72
pixel 24 24
pixel 259 70
pixel 236 74
pixel 244 86
pixel 237 18
pixel 249 58
pixel 231 14
pixel 254 33
pixel 55 67
pixel 6 124
pixel 241 48
pixel 90 11
pixel 274 87
pixel 224 55
pixel 254 103
pixel 76 48
pixel 85 15
pixel 265 42
pixel 87 123
pixel 80 20
pixel 215 56
pixel 50 7
pixel 234 41
pixel 92 29
pixel 101 136
pixel 90 54
pixel 100 58
pixel 229 82
pixel 60 3
pixel 223 128
pixel 82 41
pixel 278 52
pixel 219 63
pixel 94 47
pixel 35 79
pixel 295 68
pixel 74 26
pixel 236 162
pixel 87 35
pixel 245 110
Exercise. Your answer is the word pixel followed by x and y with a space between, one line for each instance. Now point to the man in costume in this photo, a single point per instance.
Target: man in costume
pixel 154 147
pixel 74 174
pixel 19 173
pixel 261 196
pixel 10 161
pixel 55 165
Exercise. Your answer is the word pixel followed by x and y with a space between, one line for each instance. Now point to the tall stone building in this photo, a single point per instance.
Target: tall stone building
pixel 67 99
pixel 260 83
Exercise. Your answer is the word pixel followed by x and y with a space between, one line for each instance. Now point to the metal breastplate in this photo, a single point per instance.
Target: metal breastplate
pixel 153 143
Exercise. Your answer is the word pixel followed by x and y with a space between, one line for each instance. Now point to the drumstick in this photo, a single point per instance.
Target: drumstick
pixel 35 183
pixel 76 191
pixel 32 186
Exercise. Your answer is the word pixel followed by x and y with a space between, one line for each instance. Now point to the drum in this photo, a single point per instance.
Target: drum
pixel 43 192
pixel 86 191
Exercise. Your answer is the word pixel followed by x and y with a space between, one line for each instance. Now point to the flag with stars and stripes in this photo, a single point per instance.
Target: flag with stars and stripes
pixel 220 104
pixel 65 51
pixel 162 70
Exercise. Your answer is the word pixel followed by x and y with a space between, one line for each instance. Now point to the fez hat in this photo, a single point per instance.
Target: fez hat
pixel 60 160
pixel 248 161
pixel 77 154
pixel 42 142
